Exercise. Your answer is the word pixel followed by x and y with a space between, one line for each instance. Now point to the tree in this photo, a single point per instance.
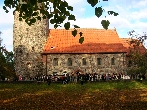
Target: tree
pixel 137 39
pixel 137 59
pixel 32 10
pixel 6 63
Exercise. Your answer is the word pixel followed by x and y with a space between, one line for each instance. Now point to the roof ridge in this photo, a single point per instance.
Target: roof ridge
pixel 83 28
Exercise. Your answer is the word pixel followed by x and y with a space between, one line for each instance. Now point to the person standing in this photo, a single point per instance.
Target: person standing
pixel 81 79
pixel 48 80
pixel 141 78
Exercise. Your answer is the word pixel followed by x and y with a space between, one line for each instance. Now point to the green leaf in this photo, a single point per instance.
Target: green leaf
pixel 62 9
pixel 75 26
pixel 39 18
pixel 44 17
pixel 65 4
pixel 74 32
pixel 81 40
pixel 52 1
pixel 71 17
pixel 98 11
pixel 67 25
pixel 7 11
pixel 67 13
pixel 20 19
pixel 49 16
pixel 20 15
pixel 4 8
pixel 56 11
pixel 92 2
pixel 33 20
pixel 33 2
pixel 81 34
pixel 105 24
pixel 55 26
pixel 115 14
pixel 70 8
pixel 47 3
pixel 112 13
pixel 52 21
pixel 35 14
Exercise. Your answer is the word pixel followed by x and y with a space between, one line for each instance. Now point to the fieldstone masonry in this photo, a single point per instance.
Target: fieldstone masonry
pixel 28 42
pixel 91 63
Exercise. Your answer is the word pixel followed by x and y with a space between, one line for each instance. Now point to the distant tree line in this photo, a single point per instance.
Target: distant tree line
pixel 137 60
pixel 6 63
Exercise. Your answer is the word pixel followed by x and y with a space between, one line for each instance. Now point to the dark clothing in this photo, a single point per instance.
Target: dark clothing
pixel 49 81
pixel 82 80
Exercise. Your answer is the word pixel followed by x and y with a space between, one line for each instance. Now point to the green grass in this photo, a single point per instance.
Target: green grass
pixel 89 95
pixel 18 89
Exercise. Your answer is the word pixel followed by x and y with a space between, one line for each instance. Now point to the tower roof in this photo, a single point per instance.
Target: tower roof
pixel 95 41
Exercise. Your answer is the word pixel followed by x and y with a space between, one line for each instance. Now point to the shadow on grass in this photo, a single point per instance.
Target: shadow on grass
pixel 129 95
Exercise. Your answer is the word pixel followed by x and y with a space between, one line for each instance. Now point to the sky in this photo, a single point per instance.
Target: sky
pixel 132 16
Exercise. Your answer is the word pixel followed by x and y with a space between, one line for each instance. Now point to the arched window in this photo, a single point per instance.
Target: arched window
pixel 99 61
pixel 69 62
pixel 33 49
pixel 55 62
pixel 84 61
pixel 129 63
pixel 113 61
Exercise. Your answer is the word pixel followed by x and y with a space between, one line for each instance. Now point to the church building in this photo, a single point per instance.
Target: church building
pixel 40 50
pixel 101 52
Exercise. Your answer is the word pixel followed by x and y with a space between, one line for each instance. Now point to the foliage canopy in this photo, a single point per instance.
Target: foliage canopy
pixel 137 59
pixel 33 10
pixel 6 63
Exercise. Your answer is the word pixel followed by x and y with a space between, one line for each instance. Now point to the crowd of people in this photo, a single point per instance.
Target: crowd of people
pixel 87 77
pixel 80 77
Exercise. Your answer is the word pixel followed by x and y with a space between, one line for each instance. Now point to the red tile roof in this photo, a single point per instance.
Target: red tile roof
pixel 95 41
pixel 126 43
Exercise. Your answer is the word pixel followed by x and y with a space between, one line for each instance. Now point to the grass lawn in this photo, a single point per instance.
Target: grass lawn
pixel 123 95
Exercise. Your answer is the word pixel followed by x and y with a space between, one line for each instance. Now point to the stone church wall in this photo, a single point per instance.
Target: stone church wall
pixel 91 63
pixel 28 43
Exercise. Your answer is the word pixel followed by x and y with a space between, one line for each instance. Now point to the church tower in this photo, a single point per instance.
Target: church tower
pixel 28 43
